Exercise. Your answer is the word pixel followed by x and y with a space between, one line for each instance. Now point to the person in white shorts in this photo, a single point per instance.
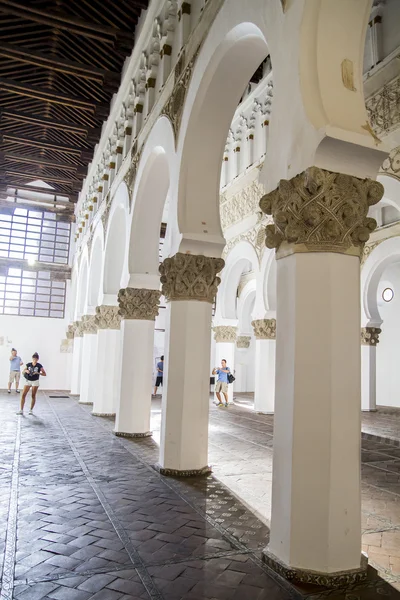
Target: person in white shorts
pixel 15 370
pixel 32 372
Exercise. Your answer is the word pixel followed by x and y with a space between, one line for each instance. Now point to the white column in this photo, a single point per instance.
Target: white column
pixel 225 337
pixel 320 228
pixel 241 368
pixel 264 393
pixel 106 391
pixel 189 285
pixel 76 359
pixel 88 360
pixel 138 309
pixel 369 341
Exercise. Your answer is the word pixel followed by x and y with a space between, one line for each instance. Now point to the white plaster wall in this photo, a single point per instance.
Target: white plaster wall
pixel 34 334
pixel 388 372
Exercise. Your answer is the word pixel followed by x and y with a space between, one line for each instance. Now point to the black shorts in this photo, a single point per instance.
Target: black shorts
pixel 159 381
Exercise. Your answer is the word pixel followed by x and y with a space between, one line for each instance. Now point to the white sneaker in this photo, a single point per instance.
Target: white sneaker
pixel 19 412
pixel 9 391
pixel 30 412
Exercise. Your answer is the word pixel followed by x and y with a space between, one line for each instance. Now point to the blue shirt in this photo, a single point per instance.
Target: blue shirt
pixel 160 366
pixel 15 364
pixel 223 376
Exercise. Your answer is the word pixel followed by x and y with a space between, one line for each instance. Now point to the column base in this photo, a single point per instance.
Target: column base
pixel 329 580
pixel 133 435
pixel 188 473
pixel 86 403
pixel 96 414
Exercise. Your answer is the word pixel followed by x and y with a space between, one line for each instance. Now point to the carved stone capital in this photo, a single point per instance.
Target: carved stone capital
pixel 107 317
pixel 67 345
pixel 138 303
pixel 70 333
pixel 78 328
pixel 224 333
pixel 321 211
pixel 243 341
pixel 89 324
pixel 264 329
pixel 370 336
pixel 190 277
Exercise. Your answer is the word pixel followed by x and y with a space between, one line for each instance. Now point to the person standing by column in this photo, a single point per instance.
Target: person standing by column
pixel 15 370
pixel 160 373
pixel 222 383
pixel 32 372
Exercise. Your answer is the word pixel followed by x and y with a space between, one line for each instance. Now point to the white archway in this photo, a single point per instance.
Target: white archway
pixel 115 246
pixel 96 269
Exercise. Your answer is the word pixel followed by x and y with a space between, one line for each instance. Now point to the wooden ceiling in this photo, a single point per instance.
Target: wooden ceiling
pixel 60 64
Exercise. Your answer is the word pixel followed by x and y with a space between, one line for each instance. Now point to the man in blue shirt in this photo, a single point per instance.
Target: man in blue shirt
pixel 15 370
pixel 160 374
pixel 222 382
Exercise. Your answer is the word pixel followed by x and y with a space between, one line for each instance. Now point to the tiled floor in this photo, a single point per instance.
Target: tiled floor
pixel 83 515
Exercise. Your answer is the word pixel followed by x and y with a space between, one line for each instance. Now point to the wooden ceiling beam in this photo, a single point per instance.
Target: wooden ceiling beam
pixel 54 63
pixel 37 175
pixel 37 160
pixel 11 188
pixel 22 117
pixel 72 24
pixel 28 141
pixel 47 95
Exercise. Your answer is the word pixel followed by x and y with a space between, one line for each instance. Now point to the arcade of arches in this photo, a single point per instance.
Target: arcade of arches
pixel 243 203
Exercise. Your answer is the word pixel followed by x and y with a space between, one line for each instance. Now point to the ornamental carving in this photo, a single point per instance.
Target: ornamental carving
pixel 70 333
pixel 130 176
pixel 78 329
pixel 254 236
pixel 391 165
pixel 138 303
pixel 243 341
pixel 370 336
pixel 190 277
pixel 108 317
pixel 89 324
pixel 321 211
pixel 224 334
pixel 241 205
pixel 383 108
pixel 173 108
pixel 264 329
pixel 106 213
pixel 67 346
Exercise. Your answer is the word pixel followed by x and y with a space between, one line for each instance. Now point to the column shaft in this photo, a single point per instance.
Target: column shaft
pixel 184 431
pixel 316 503
pixel 76 366
pixel 107 371
pixel 88 368
pixel 264 393
pixel 134 407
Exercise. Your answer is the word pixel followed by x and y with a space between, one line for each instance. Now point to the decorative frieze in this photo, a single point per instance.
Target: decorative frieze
pixel 130 176
pixel 190 277
pixel 370 336
pixel 108 317
pixel 241 205
pixel 264 329
pixel 243 341
pixel 391 166
pixel 383 108
pixel 138 303
pixel 173 108
pixel 89 324
pixel 321 211
pixel 225 334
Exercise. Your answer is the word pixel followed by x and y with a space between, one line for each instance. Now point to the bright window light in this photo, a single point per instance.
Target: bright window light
pixel 388 294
